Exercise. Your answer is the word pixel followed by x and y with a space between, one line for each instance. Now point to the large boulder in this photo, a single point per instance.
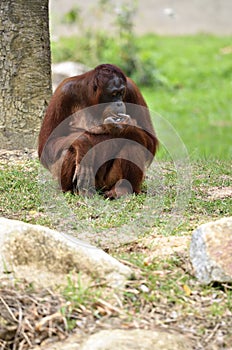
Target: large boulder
pixel 136 339
pixel 24 245
pixel 211 251
pixel 118 339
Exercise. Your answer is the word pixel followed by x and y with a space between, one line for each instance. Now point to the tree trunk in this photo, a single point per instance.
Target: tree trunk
pixel 25 65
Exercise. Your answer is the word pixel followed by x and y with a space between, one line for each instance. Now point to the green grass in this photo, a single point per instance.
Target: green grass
pixel 196 95
pixel 22 197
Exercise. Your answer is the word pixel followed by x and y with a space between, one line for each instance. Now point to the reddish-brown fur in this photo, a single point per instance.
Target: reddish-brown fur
pixel 62 150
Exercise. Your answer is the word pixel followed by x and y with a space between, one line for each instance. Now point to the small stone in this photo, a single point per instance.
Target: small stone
pixel 144 288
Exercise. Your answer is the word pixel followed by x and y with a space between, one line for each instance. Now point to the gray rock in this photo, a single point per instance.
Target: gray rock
pixel 118 339
pixel 211 251
pixel 67 69
pixel 136 339
pixel 39 248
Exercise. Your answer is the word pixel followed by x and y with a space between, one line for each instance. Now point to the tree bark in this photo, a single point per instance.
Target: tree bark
pixel 25 65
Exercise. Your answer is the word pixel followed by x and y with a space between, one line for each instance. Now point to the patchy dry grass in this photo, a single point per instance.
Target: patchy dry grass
pixel 164 291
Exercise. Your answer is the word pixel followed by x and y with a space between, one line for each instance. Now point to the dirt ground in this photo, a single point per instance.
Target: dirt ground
pixel 173 17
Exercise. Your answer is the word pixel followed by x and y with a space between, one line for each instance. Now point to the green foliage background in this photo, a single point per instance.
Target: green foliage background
pixel 186 79
pixel 190 85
